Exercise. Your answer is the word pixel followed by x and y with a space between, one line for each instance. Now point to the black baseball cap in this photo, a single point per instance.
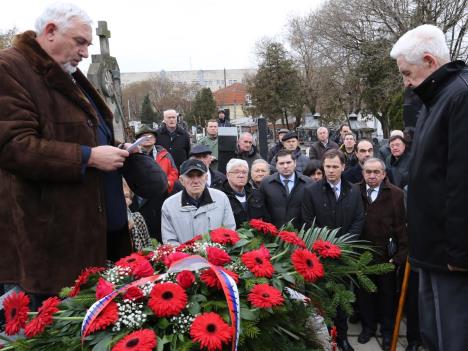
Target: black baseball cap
pixel 192 165
pixel 199 149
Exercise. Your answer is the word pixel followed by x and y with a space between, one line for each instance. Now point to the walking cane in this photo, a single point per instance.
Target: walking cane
pixel 401 305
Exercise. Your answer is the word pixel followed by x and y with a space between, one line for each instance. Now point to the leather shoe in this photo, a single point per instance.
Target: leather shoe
pixel 344 345
pixel 365 336
pixel 412 347
pixel 386 342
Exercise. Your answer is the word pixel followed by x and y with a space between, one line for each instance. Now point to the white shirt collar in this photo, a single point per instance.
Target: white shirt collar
pixel 292 178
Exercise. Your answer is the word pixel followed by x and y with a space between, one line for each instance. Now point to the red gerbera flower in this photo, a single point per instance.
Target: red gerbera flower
pixel 307 264
pixel 140 340
pixel 217 256
pixel 326 249
pixel 211 331
pixel 263 227
pixel 108 316
pixel 44 317
pixel 131 261
pixel 265 296
pixel 258 262
pixel 224 236
pixel 16 308
pixel 210 278
pixel 83 278
pixel 167 299
pixel 291 237
pixel 185 279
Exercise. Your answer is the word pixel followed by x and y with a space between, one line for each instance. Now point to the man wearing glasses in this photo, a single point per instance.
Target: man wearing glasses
pixel 246 202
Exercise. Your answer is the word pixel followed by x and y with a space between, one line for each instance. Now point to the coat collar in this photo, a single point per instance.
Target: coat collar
pixel 56 78
pixel 431 86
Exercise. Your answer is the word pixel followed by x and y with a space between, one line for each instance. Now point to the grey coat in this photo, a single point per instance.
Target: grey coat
pixel 181 223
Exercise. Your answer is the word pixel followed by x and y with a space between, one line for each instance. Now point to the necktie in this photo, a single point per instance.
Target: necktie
pixel 337 194
pixel 286 185
pixel 369 194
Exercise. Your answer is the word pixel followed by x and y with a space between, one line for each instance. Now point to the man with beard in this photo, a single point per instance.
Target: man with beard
pixel 60 191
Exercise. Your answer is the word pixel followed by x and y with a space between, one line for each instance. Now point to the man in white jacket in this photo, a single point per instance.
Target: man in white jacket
pixel 196 209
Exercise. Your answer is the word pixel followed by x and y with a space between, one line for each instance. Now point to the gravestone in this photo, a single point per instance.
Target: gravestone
pixel 104 73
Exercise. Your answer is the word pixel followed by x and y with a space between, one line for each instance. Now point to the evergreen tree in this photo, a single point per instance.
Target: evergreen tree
pixel 147 114
pixel 203 107
pixel 275 89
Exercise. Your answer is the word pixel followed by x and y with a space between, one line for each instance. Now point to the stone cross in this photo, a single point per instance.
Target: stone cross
pixel 104 34
pixel 104 73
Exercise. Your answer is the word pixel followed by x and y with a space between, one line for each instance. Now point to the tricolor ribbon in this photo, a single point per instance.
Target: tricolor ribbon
pixel 191 263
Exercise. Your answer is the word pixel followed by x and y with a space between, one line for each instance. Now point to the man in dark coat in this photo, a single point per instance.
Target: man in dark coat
pixel 283 191
pixel 202 152
pixel 364 150
pixel 222 120
pixel 173 138
pixel 291 142
pixel 385 220
pixel 397 162
pixel 334 203
pixel 323 144
pixel 246 202
pixel 59 190
pixel 278 146
pixel 437 185
pixel 246 150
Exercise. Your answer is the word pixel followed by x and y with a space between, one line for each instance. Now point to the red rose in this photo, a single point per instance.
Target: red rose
pixel 185 279
pixel 103 288
pixel 133 293
pixel 143 269
pixel 217 256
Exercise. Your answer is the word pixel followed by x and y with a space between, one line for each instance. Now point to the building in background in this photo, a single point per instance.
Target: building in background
pixel 213 79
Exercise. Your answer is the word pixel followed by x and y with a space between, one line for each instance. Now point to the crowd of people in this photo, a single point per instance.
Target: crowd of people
pixel 66 206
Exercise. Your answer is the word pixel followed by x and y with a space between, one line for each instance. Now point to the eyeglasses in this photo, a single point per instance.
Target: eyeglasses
pixel 239 173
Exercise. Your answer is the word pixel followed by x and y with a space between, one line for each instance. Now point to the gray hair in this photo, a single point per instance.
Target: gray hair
pixel 236 162
pixel 425 39
pixel 62 14
pixel 260 161
pixel 375 159
pixel 166 112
